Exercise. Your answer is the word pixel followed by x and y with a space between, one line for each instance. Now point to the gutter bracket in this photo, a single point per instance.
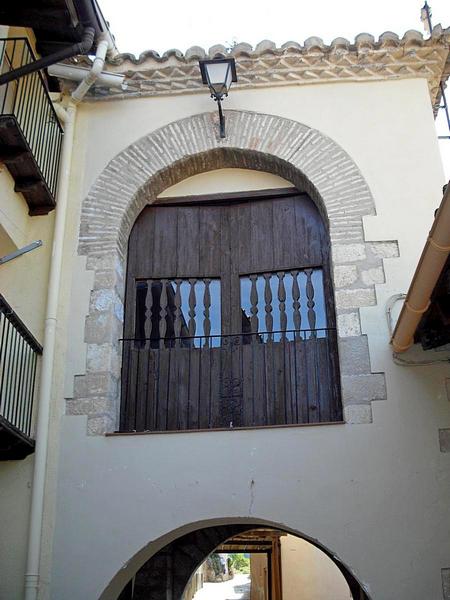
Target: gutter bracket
pixel 20 251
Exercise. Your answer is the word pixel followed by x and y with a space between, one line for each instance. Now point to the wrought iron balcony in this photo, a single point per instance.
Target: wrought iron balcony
pixel 30 133
pixel 274 378
pixel 19 352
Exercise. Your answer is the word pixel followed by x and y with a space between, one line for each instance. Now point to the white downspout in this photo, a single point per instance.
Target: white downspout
pixel 97 66
pixel 46 380
pixel 42 426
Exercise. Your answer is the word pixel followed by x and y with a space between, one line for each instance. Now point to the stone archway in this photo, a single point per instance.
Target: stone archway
pixel 311 161
pixel 167 571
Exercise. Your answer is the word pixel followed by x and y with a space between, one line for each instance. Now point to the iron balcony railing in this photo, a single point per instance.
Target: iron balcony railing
pixel 19 352
pixel 228 381
pixel 28 101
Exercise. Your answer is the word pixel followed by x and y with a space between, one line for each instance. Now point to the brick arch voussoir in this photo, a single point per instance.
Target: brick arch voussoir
pixel 184 148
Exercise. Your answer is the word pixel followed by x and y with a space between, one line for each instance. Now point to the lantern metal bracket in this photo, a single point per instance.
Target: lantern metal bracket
pixel 221 117
pixel 219 92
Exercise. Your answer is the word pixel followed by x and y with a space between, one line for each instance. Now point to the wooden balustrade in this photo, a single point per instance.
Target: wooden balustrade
pixel 179 372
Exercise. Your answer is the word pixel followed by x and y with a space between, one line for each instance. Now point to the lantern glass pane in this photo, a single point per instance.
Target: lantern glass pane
pixel 219 77
pixel 228 78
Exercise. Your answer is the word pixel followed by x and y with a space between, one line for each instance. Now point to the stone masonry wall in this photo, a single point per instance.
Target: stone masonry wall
pixel 134 178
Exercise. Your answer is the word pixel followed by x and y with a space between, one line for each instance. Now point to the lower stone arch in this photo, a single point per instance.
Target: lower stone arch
pixel 304 156
pixel 187 550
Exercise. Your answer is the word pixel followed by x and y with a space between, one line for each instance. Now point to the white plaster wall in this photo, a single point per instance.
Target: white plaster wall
pixel 308 574
pixel 15 492
pixel 225 180
pixel 375 494
pixel 23 282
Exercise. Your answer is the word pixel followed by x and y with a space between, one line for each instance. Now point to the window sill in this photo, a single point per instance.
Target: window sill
pixel 290 425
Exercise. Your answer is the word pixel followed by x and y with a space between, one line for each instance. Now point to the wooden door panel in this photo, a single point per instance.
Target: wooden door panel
pixel 164 253
pixel 141 245
pixel 225 272
pixel 186 243
pixel 261 242
pixel 210 243
pixel 310 234
pixel 284 234
pixel 245 377
pixel 238 236
pixel 241 231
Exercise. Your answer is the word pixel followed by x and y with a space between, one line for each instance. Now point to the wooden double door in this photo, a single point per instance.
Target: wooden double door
pixel 229 318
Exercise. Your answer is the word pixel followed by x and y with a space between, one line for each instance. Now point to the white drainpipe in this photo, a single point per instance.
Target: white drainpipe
pixel 46 380
pixel 99 61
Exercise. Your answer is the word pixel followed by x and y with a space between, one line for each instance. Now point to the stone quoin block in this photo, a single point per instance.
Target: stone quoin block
pixel 445 575
pixel 373 276
pixel 444 440
pixel 346 253
pixel 345 275
pixel 355 298
pixel 348 324
pixel 363 389
pixel 358 414
pixel 102 327
pixel 354 355
pixel 88 406
pixel 95 384
pixel 100 424
pixel 384 249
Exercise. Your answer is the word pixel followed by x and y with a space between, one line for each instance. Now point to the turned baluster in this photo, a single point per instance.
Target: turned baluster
pixel 310 303
pixel 192 305
pixel 207 306
pixel 282 304
pixel 268 306
pixel 177 321
pixel 163 313
pixel 254 321
pixel 297 317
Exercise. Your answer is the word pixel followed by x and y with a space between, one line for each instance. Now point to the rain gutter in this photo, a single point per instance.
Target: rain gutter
pixel 428 271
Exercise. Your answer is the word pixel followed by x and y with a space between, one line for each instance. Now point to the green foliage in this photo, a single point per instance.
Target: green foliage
pixel 214 561
pixel 240 563
pixel 230 566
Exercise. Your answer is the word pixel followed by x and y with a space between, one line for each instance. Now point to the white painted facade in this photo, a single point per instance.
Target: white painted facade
pixel 375 493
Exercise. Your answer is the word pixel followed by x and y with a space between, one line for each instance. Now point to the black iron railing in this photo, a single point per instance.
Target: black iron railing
pixel 228 381
pixel 19 351
pixel 28 101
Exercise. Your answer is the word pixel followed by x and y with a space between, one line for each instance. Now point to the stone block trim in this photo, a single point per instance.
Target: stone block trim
pixel 444 440
pixel 134 178
pixel 445 575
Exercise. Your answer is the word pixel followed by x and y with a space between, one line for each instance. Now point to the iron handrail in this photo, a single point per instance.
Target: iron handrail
pixel 241 333
pixel 33 56
pixel 28 102
pixel 14 318
pixel 19 350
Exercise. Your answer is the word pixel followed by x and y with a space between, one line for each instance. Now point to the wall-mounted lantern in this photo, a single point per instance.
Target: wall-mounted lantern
pixel 218 74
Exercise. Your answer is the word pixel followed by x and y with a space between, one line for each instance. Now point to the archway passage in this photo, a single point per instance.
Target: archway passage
pixel 170 573
pixel 229 315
